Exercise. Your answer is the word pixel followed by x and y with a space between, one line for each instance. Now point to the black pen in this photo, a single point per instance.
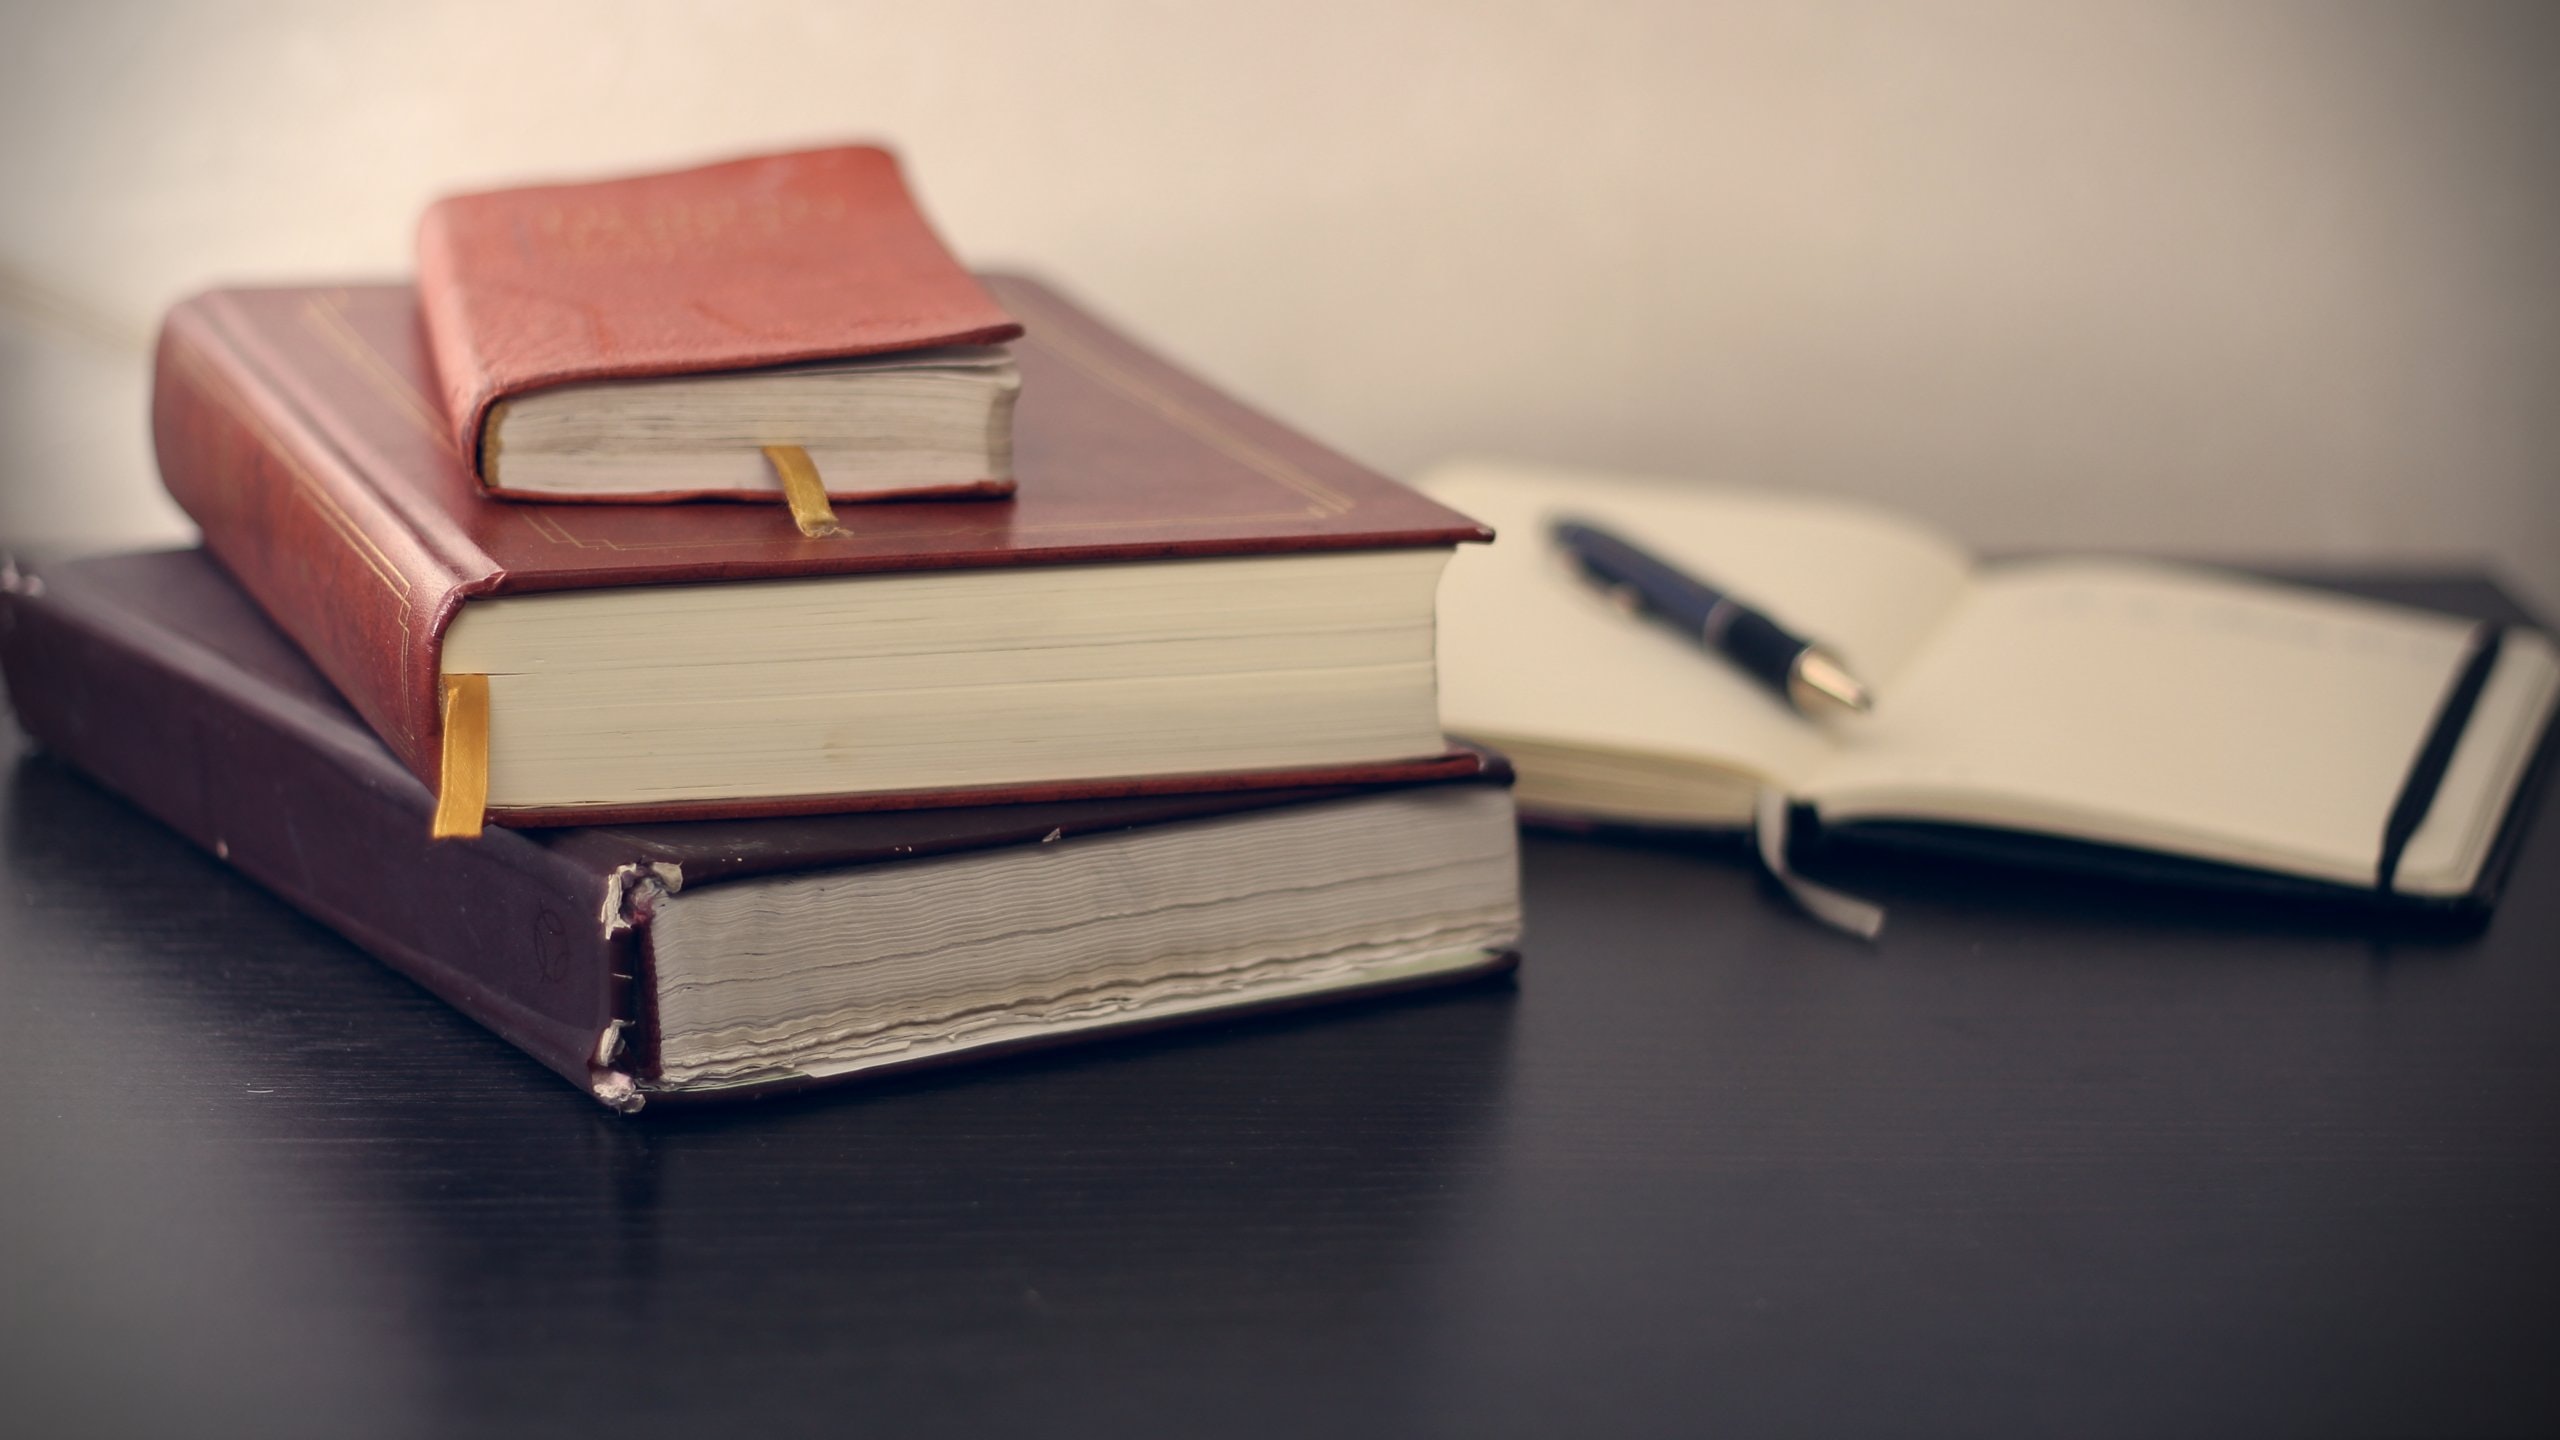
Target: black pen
pixel 1811 677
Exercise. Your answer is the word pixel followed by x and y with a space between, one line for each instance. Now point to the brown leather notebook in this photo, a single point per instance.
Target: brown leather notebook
pixel 531 295
pixel 726 958
pixel 298 426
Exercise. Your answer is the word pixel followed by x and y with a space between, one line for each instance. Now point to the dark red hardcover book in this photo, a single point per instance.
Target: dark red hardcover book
pixel 155 676
pixel 764 261
pixel 300 429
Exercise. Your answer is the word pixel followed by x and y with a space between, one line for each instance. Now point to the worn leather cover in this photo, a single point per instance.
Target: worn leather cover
pixel 300 429
pixel 764 261
pixel 157 677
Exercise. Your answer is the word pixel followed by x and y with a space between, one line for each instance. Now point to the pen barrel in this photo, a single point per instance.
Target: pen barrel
pixel 1654 587
pixel 1759 646
pixel 1755 644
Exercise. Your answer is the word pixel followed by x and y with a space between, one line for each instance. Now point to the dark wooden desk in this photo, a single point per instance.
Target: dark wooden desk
pixel 2050 1160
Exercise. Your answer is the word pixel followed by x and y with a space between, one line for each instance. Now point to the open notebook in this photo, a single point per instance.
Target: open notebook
pixel 2159 708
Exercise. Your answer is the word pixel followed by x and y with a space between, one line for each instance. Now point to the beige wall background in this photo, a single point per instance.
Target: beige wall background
pixel 2249 280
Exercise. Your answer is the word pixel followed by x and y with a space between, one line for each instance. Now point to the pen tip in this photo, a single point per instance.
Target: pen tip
pixel 1820 682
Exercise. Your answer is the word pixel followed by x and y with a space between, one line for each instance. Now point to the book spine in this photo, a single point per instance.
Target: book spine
pixel 292 519
pixel 462 375
pixel 501 928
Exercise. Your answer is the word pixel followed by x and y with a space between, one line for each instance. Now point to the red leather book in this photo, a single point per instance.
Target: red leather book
pixel 749 264
pixel 156 677
pixel 299 428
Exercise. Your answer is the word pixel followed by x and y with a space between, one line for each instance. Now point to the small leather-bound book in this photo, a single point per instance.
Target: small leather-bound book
pixel 725 958
pixel 1184 595
pixel 649 337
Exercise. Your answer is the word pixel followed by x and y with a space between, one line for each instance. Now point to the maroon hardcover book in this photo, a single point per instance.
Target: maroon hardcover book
pixel 764 261
pixel 300 428
pixel 154 675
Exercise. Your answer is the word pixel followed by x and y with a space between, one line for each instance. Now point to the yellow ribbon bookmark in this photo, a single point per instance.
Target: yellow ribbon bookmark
pixel 463 795
pixel 806 492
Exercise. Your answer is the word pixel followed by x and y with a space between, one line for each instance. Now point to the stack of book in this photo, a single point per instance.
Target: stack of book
pixel 1103 702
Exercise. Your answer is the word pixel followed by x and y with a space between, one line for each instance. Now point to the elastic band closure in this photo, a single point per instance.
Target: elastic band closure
pixel 806 493
pixel 1831 907
pixel 2418 792
pixel 462 791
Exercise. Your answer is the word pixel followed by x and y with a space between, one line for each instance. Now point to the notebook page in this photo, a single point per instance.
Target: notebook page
pixel 2159 706
pixel 1530 652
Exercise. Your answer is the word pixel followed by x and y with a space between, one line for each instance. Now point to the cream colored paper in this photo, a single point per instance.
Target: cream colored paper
pixel 2165 707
